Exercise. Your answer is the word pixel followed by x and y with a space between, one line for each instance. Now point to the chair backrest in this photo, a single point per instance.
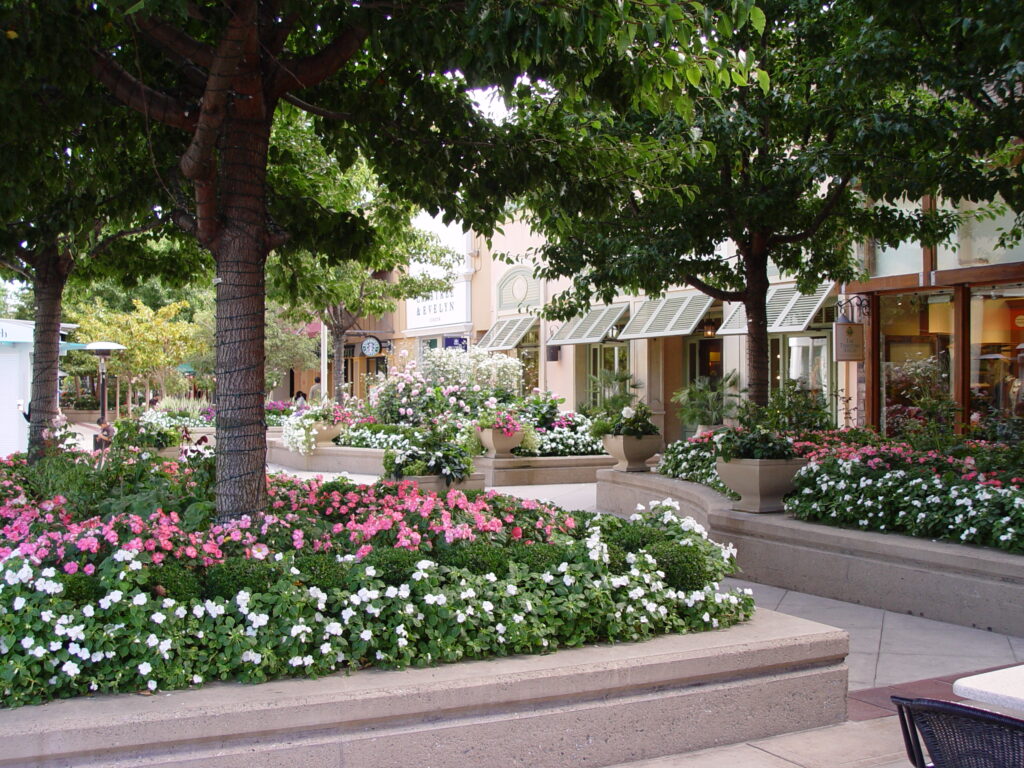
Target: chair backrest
pixel 959 736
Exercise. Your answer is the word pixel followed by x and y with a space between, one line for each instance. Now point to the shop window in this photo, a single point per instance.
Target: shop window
pixel 977 242
pixel 607 364
pixel 528 353
pixel 917 359
pixel 997 352
pixel 705 359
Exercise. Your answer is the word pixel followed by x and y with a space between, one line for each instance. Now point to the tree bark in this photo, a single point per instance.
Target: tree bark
pixel 338 320
pixel 755 304
pixel 50 275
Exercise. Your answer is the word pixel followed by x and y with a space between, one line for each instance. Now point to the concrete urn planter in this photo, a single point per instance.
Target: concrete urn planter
pixel 705 428
pixel 498 444
pixel 632 452
pixel 325 433
pixel 761 483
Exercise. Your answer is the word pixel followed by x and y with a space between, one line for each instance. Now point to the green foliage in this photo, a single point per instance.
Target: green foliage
pixel 394 565
pixel 322 569
pixel 693 460
pixel 790 408
pixel 81 588
pixel 237 574
pixel 540 557
pixel 480 557
pixel 177 581
pixel 634 537
pixel 708 401
pixel 752 444
pixel 632 420
pixel 685 567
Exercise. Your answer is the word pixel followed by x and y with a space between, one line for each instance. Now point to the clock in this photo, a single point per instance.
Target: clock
pixel 370 346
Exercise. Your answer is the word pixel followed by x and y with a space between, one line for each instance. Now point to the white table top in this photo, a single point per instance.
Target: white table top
pixel 1002 688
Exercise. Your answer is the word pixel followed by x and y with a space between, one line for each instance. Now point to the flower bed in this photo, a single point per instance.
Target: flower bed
pixel 973 493
pixel 333 576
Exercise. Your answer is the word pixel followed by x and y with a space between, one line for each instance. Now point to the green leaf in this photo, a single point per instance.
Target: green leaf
pixel 758 19
pixel 738 77
pixel 763 80
pixel 693 75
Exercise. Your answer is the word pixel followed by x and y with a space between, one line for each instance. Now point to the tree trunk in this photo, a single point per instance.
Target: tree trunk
pixel 758 351
pixel 240 250
pixel 339 320
pixel 51 270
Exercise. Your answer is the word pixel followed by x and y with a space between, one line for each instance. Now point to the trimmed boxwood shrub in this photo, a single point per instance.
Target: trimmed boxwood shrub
pixel 634 537
pixel 394 565
pixel 236 574
pixel 475 556
pixel 81 588
pixel 684 566
pixel 323 570
pixel 176 581
pixel 540 557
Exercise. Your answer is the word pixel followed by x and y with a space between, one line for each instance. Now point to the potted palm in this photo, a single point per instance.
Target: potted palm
pixel 708 402
pixel 629 435
pixel 757 464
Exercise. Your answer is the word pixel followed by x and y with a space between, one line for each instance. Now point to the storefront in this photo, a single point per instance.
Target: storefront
pixel 945 330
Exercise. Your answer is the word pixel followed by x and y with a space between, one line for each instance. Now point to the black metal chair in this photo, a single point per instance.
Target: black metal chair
pixel 959 736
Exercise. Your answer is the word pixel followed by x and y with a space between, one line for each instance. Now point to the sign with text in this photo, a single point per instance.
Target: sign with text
pixel 442 308
pixel 848 342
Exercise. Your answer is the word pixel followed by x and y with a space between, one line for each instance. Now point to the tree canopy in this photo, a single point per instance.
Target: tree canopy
pixel 793 173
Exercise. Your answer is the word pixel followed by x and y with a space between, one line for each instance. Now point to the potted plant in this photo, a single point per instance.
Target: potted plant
pixel 707 402
pixel 629 435
pixel 757 464
pixel 500 432
pixel 307 428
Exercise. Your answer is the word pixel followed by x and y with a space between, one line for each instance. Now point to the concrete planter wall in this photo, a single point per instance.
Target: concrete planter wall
pixel 761 483
pixel 960 584
pixel 585 708
pixel 541 470
pixel 328 458
pixel 85 417
pixel 436 483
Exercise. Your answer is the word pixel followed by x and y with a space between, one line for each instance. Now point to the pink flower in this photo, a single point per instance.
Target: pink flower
pixel 71 567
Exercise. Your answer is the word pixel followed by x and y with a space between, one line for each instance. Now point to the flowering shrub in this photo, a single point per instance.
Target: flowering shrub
pixel 332 576
pixel 566 435
pixel 152 429
pixel 300 429
pixel 501 420
pixel 892 487
pixel 489 371
pixel 632 420
pixel 740 443
pixel 694 460
pixel 276 411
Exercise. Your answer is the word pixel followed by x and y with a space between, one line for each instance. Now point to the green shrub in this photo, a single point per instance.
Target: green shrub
pixel 617 563
pixel 394 565
pixel 540 557
pixel 633 537
pixel 81 588
pixel 341 485
pixel 235 574
pixel 480 557
pixel 685 567
pixel 323 570
pixel 177 581
pixel 583 519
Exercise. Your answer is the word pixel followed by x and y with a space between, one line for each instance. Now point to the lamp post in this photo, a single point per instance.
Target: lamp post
pixel 102 350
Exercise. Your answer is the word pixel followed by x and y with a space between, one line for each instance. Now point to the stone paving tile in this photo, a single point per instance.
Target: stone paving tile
pixel 862 669
pixel 835 612
pixel 861 710
pixel 898 667
pixel 850 745
pixel 764 595
pixel 926 636
pixel 738 756
pixel 1017 645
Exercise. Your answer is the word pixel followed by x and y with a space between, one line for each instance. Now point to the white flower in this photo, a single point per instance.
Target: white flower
pixel 511 589
pixel 628 413
pixel 139 599
pixel 145 668
pixel 70 669
pixel 366 635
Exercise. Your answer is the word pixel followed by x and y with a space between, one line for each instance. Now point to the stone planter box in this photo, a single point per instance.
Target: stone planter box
pixel 956 583
pixel 586 707
pixel 761 483
pixel 541 470
pixel 328 458
pixel 435 483
pixel 85 417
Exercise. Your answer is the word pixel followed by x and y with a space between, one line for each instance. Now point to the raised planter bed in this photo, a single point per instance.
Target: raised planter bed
pixel 541 470
pixel 586 707
pixel 328 458
pixel 84 417
pixel 956 583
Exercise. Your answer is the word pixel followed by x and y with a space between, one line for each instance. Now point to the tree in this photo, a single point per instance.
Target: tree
pixel 77 192
pixel 156 342
pixel 792 172
pixel 394 77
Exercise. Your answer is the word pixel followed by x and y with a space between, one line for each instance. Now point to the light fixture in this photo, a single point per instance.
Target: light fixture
pixel 102 350
pixel 709 327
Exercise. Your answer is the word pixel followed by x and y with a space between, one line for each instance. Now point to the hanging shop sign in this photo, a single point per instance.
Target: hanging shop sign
pixel 848 341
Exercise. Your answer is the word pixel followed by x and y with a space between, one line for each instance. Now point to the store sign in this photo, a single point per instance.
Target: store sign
pixel 442 308
pixel 848 342
pixel 456 342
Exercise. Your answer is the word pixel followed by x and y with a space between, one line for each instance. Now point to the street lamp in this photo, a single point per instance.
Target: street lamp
pixel 102 350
